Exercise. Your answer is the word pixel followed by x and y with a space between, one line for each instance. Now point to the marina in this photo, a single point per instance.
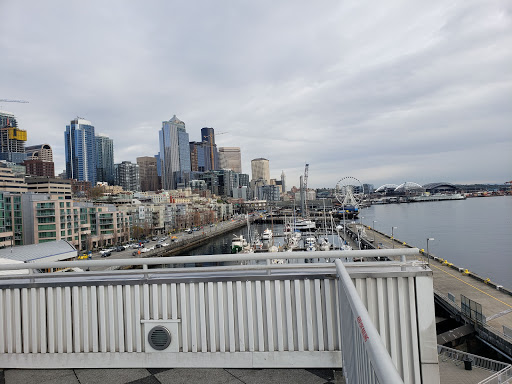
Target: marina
pixel 276 251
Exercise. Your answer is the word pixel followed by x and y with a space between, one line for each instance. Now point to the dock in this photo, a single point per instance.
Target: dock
pixel 469 298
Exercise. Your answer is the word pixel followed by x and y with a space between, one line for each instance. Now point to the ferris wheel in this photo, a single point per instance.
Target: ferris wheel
pixel 349 191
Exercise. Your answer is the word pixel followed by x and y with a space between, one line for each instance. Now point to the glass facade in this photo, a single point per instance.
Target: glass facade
pixel 104 159
pixel 80 147
pixel 174 153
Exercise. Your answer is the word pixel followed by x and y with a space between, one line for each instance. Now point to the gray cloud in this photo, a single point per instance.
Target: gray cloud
pixel 401 91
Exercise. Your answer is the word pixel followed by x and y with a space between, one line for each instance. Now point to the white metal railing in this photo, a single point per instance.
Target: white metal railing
pixel 365 359
pixel 174 260
pixel 478 361
pixel 291 318
pixel 501 377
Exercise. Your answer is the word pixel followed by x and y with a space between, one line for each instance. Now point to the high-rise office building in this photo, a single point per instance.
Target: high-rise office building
pixel 260 170
pixel 211 154
pixel 12 139
pixel 230 158
pixel 104 159
pixel 127 176
pixel 80 151
pixel 198 154
pixel 174 153
pixel 148 173
pixel 283 182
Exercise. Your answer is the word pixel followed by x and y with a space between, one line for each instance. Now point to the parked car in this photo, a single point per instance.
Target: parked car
pixel 106 254
pixel 158 246
pixel 154 238
pixel 164 244
pixel 103 251
pixel 144 250
pixel 119 248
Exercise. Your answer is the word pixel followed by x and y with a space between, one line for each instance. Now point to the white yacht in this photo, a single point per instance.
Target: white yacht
pixel 267 235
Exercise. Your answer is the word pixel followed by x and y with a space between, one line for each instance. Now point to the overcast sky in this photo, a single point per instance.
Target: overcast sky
pixel 385 92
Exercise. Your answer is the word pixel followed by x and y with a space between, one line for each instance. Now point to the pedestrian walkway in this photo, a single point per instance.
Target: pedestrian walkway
pixel 170 376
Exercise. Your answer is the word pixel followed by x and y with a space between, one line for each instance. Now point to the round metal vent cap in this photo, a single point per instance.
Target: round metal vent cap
pixel 159 338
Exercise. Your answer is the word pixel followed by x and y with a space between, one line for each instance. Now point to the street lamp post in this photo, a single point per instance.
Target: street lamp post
pixel 392 237
pixel 428 254
pixel 373 228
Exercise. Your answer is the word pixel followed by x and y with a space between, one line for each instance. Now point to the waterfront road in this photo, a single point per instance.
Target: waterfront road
pixel 181 239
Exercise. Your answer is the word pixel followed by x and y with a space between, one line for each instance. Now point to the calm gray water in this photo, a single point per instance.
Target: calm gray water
pixel 475 233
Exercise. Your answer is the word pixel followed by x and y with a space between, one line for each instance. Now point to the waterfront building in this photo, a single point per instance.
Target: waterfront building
pixel 211 154
pixel 86 225
pixel 80 149
pixel 10 182
pixel 148 173
pixel 269 192
pixel 174 153
pixel 241 193
pixel 260 170
pixel 49 185
pixel 104 159
pixel 11 223
pixel 12 139
pixel 230 158
pixel 127 176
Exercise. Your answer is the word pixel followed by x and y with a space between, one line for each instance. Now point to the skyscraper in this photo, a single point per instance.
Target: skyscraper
pixel 260 170
pixel 230 158
pixel 211 155
pixel 148 173
pixel 104 159
pixel 80 151
pixel 283 182
pixel 198 156
pixel 12 139
pixel 174 153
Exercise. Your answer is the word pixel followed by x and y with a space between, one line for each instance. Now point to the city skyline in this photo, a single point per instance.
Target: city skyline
pixel 385 93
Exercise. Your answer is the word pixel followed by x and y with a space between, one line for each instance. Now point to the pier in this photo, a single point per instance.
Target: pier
pixel 482 305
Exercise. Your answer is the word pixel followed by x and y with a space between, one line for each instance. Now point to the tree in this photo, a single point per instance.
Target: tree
pixel 96 192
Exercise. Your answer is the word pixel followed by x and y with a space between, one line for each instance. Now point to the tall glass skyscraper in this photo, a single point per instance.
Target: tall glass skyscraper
pixel 174 153
pixel 80 151
pixel 211 155
pixel 104 159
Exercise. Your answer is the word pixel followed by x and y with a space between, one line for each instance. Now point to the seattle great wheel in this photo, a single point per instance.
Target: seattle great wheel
pixel 349 191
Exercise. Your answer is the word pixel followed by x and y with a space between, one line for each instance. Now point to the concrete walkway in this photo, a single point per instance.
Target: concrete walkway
pixel 170 376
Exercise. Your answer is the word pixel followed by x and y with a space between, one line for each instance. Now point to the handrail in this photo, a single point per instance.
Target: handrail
pixel 211 259
pixel 478 361
pixel 501 377
pixel 377 357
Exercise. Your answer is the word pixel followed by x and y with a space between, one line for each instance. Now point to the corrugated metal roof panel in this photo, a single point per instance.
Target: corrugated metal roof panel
pixel 55 250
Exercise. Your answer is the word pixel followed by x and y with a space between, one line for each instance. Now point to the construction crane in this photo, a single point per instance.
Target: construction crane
pixel 13 101
pixel 306 169
pixel 211 147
